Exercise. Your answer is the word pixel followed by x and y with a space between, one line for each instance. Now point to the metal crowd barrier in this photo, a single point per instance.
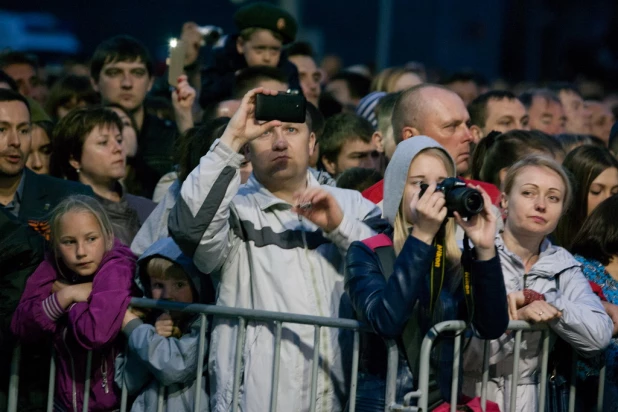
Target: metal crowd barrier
pixel 421 394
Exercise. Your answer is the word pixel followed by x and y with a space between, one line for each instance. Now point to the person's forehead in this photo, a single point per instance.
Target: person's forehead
pixel 304 63
pixel 14 112
pixel 125 64
pixel 501 107
pixel 264 37
pixel 444 104
pixel 356 144
pixel 539 175
pixel 20 70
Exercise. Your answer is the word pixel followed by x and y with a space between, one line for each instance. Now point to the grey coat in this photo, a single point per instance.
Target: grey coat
pixel 584 325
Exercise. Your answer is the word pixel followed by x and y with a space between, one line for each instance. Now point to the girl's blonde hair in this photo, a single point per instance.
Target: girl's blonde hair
pixel 402 228
pixel 81 203
pixel 386 80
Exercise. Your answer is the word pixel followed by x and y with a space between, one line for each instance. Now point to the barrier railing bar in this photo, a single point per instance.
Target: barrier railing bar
pixel 201 352
pixel 573 383
pixel 14 379
pixel 601 392
pixel 276 359
pixel 87 381
pixel 314 368
pixel 240 345
pixel 515 375
pixel 354 375
pixel 455 381
pixel 52 381
pixel 544 367
pixel 248 314
pixel 160 398
pixel 485 376
pixel 391 374
pixel 124 390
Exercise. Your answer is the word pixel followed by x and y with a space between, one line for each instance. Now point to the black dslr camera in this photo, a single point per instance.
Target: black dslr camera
pixel 459 198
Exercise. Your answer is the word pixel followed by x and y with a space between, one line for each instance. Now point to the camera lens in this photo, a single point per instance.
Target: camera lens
pixel 473 202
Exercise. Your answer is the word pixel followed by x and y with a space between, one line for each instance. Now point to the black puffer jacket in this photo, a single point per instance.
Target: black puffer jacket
pixel 218 79
pixel 386 305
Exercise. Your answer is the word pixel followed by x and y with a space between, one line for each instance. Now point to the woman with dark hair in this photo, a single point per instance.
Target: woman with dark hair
pixel 596 247
pixel 41 132
pixel 87 147
pixel 192 147
pixel 498 151
pixel 594 176
pixel 140 179
pixel 68 93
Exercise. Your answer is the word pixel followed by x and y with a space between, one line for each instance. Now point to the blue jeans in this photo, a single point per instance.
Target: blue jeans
pixel 371 389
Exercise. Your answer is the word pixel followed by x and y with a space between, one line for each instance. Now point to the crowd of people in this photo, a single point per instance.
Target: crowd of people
pixel 401 201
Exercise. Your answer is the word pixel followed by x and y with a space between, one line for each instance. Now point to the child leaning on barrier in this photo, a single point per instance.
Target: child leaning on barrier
pixel 165 353
pixel 79 294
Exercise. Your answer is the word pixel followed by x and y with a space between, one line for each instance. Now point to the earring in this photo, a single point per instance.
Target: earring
pixel 78 170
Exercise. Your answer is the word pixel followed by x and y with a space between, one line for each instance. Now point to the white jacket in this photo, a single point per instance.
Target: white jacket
pixel 262 256
pixel 584 325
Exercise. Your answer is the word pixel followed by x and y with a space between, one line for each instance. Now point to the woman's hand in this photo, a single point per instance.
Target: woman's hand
pixel 537 311
pixel 516 300
pixel 81 292
pixel 322 208
pixel 612 311
pixel 428 214
pixel 481 228
pixel 58 286
pixel 243 126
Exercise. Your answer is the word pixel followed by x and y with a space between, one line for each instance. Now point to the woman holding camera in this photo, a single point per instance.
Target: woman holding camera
pixel 386 301
pixel 545 284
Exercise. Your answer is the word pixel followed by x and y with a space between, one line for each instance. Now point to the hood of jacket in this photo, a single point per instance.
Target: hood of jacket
pixel 396 174
pixel 168 249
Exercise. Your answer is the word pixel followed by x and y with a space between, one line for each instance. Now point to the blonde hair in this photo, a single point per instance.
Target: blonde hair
pixel 539 161
pixel 402 228
pixel 84 204
pixel 386 80
pixel 164 268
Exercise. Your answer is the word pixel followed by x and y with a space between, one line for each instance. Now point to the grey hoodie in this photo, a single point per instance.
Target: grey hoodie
pixel 398 166
pixel 584 325
pixel 152 360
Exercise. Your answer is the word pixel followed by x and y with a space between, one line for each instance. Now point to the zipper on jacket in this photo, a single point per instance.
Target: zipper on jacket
pixel 74 388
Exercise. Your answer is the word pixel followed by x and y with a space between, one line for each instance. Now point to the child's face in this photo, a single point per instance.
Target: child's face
pixel 169 282
pixel 261 49
pixel 81 243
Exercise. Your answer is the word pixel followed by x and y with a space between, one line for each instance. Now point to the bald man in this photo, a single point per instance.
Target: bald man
pixel 437 112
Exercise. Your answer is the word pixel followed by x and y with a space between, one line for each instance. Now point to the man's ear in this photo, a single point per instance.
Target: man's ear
pixel 74 163
pixel 502 174
pixel 331 167
pixel 94 84
pixel 477 133
pixel 312 141
pixel 504 201
pixel 239 45
pixel 378 140
pixel 408 132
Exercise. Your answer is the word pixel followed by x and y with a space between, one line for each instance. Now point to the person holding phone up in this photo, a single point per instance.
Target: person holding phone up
pixel 276 243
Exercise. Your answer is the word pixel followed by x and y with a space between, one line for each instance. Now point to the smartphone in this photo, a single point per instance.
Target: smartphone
pixel 285 106
pixel 176 62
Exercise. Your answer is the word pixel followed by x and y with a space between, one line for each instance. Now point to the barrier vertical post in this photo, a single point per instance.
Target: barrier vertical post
pixel 52 382
pixel 87 381
pixel 544 361
pixel 455 382
pixel 354 376
pixel 391 373
pixel 276 359
pixel 200 363
pixel 515 376
pixel 14 380
pixel 314 368
pixel 485 375
pixel 240 344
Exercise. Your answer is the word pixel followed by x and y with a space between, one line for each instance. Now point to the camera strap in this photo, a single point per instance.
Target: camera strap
pixel 466 263
pixel 438 268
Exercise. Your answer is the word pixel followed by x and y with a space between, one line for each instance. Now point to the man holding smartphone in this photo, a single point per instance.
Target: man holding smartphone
pixel 277 243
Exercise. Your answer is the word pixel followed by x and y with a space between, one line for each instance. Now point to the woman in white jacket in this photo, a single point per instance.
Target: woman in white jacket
pixel 544 283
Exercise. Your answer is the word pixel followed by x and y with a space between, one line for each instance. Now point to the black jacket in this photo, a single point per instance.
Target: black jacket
pixel 156 145
pixel 218 79
pixel 40 196
pixel 386 306
pixel 21 251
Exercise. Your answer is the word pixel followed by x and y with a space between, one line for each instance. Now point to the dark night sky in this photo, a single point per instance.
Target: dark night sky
pixel 516 39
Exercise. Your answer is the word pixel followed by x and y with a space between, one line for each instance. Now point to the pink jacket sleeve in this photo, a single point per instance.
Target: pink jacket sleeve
pixel 38 309
pixel 98 321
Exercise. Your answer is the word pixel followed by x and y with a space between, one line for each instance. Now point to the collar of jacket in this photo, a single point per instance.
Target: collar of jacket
pixel 552 259
pixel 265 199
